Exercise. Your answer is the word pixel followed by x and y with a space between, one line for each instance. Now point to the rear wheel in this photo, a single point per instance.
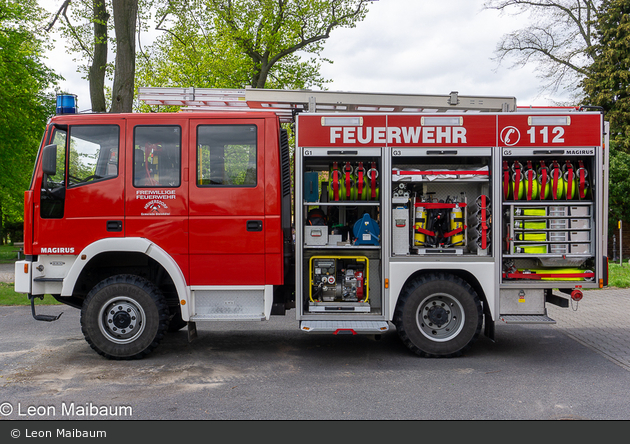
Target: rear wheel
pixel 124 317
pixel 438 315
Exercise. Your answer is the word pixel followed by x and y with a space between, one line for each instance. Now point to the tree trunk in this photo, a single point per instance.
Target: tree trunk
pixel 261 76
pixel 261 71
pixel 99 61
pixel 125 16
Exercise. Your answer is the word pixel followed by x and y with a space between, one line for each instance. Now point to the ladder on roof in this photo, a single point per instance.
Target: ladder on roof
pixel 286 103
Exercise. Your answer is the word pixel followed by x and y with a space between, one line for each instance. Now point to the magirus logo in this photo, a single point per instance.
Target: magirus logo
pixel 57 250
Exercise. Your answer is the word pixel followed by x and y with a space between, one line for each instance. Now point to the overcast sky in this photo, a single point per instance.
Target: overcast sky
pixel 403 46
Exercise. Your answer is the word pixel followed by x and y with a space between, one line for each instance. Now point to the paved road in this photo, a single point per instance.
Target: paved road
pixel 600 321
pixel 577 369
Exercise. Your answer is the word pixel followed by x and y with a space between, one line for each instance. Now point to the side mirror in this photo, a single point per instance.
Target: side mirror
pixel 49 160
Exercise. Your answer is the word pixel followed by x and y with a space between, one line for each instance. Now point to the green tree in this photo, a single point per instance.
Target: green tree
pixel 607 84
pixel 557 38
pixel 25 103
pixel 125 24
pixel 619 189
pixel 87 27
pixel 608 81
pixel 238 43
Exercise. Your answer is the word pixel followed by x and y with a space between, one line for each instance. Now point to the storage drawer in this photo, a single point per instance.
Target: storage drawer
pixel 316 235
pixel 580 211
pixel 580 248
pixel 522 301
pixel 579 236
pixel 580 223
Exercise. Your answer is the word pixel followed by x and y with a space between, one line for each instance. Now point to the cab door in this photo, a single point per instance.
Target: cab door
pixel 156 203
pixel 227 202
pixel 82 202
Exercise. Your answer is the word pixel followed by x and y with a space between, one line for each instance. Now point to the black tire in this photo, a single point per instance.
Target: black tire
pixel 124 317
pixel 438 316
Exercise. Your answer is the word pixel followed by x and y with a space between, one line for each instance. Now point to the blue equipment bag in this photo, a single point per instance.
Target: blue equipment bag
pixel 311 186
pixel 366 231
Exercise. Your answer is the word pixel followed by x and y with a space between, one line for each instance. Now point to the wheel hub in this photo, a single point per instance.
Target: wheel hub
pixel 122 317
pixel 438 315
pixel 121 320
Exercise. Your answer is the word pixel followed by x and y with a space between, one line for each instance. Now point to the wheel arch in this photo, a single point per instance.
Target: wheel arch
pixel 469 277
pixel 439 312
pixel 126 253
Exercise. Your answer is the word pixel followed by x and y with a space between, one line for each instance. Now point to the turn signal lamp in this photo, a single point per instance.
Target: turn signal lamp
pixel 66 104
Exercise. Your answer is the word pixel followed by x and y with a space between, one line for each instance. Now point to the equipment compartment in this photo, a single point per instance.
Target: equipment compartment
pixel 445 198
pixel 343 194
pixel 342 282
pixel 342 279
pixel 547 224
pixel 341 233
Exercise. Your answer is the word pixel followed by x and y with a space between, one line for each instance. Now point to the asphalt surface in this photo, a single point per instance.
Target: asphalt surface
pixel 577 369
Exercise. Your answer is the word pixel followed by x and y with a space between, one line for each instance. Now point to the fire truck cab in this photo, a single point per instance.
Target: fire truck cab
pixel 438 215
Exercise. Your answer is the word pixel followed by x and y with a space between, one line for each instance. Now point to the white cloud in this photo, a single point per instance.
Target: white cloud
pixel 428 47
pixel 403 46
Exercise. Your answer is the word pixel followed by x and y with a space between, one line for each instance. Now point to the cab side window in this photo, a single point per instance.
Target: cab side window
pixel 93 153
pixel 54 187
pixel 59 138
pixel 226 155
pixel 157 156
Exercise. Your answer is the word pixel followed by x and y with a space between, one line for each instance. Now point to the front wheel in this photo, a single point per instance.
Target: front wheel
pixel 438 315
pixel 124 317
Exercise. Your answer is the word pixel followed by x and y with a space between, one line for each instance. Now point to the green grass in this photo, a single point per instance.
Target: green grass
pixel 8 254
pixel 10 297
pixel 619 276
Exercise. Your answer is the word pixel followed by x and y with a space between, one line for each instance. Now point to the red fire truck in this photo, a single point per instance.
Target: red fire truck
pixel 437 215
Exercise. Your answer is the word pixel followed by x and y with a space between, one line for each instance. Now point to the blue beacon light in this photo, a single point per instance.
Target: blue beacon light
pixel 66 104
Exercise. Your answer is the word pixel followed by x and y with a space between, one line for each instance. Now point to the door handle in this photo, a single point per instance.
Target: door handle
pixel 548 151
pixel 442 153
pixel 254 225
pixel 114 225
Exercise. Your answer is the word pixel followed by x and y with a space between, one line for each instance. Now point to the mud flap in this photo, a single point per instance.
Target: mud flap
pixel 192 331
pixel 488 329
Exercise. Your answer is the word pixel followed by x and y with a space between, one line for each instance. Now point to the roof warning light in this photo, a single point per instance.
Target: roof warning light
pixel 66 104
